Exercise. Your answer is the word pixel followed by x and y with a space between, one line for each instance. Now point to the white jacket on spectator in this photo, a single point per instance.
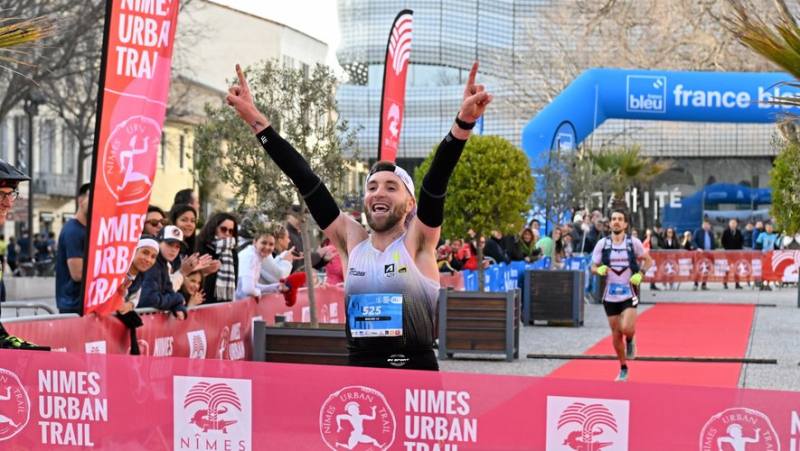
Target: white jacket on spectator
pixel 249 269
pixel 273 269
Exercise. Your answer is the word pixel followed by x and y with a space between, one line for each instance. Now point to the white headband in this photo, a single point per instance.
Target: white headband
pixel 147 242
pixel 404 177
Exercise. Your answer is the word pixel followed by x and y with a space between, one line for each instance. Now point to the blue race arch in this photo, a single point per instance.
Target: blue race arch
pixel 601 94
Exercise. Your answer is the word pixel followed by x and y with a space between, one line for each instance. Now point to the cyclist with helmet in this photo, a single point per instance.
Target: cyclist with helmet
pixel 10 179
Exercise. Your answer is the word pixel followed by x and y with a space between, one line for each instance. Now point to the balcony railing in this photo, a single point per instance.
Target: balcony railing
pixel 55 184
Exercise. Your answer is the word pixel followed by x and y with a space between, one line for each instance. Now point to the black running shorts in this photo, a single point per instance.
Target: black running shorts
pixel 616 308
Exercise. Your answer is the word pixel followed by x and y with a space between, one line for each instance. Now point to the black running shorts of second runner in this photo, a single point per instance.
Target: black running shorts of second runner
pixel 616 308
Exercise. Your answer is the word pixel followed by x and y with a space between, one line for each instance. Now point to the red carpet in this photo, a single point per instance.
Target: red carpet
pixel 677 330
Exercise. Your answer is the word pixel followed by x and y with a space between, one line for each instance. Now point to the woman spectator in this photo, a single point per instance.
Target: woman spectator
pixel 551 246
pixel 647 242
pixel 185 218
pixel 144 257
pixel 154 221
pixel 670 240
pixel 472 260
pixel 249 262
pixel 218 239
pixel 528 245
pixel 191 291
pixel 687 241
pixel 278 265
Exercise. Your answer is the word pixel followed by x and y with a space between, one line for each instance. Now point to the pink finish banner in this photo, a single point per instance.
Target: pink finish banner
pixel 219 331
pixel 117 402
pixel 132 105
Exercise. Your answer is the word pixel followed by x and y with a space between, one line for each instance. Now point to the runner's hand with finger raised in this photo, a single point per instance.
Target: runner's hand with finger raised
pixel 241 99
pixel 475 101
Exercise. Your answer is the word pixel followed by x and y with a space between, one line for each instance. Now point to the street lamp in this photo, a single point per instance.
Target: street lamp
pixel 34 98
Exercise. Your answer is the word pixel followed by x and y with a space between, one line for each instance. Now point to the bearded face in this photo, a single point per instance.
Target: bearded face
pixel 382 216
pixel 386 201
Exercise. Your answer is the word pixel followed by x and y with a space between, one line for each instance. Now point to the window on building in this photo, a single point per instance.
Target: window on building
pixel 69 153
pixel 288 61
pixel 182 150
pixel 47 143
pixel 4 140
pixel 305 69
pixel 163 149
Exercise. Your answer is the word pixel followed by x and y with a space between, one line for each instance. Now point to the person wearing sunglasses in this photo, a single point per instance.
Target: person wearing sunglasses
pixel 391 276
pixel 219 238
pixel 154 221
pixel 10 178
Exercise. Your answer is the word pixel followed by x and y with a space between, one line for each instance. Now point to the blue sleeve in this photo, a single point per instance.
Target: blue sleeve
pixel 75 244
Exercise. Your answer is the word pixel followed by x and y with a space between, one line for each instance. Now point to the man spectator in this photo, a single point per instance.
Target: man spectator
pixel 703 240
pixel 732 240
pixel 758 230
pixel 594 235
pixel 24 247
pixel 493 249
pixel 187 197
pixel 513 247
pixel 656 243
pixel 69 259
pixel 320 257
pixel 767 241
pixel 747 236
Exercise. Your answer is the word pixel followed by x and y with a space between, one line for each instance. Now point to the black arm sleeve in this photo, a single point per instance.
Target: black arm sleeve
pixel 430 209
pixel 319 200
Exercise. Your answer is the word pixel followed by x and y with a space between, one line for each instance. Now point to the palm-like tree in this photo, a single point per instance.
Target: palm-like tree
pixel 15 34
pixel 779 43
pixel 624 168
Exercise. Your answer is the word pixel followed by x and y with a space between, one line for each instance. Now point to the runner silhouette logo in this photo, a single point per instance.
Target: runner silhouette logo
pixel 739 428
pixel 357 419
pixel 15 405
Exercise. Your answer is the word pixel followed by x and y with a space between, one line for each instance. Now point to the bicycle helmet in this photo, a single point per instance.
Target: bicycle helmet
pixel 11 176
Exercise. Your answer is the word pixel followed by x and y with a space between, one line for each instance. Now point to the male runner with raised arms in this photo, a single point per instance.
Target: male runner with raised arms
pixel 616 259
pixel 399 257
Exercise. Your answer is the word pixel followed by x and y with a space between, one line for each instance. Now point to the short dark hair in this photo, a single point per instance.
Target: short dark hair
pixel 84 189
pixel 183 196
pixel 621 211
pixel 156 209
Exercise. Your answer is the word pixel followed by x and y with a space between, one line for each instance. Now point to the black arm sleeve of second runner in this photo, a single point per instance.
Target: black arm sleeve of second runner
pixel 319 200
pixel 430 210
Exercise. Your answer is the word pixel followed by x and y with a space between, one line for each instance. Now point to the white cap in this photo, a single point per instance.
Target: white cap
pixel 398 171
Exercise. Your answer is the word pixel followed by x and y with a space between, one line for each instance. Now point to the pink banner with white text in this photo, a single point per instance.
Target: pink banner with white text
pixel 116 402
pixel 723 266
pixel 219 331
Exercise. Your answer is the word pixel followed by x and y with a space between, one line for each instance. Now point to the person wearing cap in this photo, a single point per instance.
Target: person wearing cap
pixel 144 257
pixel 157 289
pixel 70 254
pixel 10 178
pixel 398 259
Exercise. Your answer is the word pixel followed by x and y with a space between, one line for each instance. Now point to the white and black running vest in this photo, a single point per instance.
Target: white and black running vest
pixel 393 271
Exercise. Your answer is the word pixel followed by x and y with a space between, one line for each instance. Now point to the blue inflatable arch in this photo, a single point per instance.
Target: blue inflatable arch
pixel 600 94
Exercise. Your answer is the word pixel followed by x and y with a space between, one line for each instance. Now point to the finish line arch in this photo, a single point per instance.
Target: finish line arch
pixel 601 94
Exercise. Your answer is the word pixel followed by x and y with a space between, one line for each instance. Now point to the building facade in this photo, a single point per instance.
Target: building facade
pixel 521 64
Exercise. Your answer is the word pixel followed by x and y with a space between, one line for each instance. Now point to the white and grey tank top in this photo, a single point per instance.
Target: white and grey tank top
pixel 394 271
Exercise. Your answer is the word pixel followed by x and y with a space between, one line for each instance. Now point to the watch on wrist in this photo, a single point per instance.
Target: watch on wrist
pixel 464 125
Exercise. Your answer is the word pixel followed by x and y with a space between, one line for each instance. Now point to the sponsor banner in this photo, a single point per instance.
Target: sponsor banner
pixel 398 52
pixel 219 331
pixel 723 266
pixel 133 101
pixel 48 400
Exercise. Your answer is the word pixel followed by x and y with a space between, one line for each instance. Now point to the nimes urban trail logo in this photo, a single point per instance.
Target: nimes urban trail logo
pixel 357 418
pixel 16 406
pixel 212 413
pixel 739 428
pixel 587 424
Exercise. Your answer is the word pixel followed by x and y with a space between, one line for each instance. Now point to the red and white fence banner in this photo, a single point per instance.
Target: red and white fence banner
pixel 398 53
pixel 723 266
pixel 218 331
pixel 132 104
pixel 116 402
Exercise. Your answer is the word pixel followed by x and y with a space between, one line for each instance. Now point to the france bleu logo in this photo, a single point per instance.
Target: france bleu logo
pixel 646 94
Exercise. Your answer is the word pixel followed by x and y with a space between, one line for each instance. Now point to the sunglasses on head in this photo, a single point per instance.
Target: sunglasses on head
pixel 156 222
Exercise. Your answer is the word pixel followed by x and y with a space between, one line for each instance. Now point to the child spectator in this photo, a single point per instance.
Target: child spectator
pixel 157 290
pixel 191 291
pixel 250 265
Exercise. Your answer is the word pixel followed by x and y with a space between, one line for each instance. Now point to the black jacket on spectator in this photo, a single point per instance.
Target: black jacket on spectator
pixel 732 240
pixel 513 248
pixel 296 241
pixel 210 281
pixel 494 250
pixel 157 289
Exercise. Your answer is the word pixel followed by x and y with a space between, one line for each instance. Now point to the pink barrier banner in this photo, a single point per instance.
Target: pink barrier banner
pixel 220 331
pixel 116 402
pixel 723 266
